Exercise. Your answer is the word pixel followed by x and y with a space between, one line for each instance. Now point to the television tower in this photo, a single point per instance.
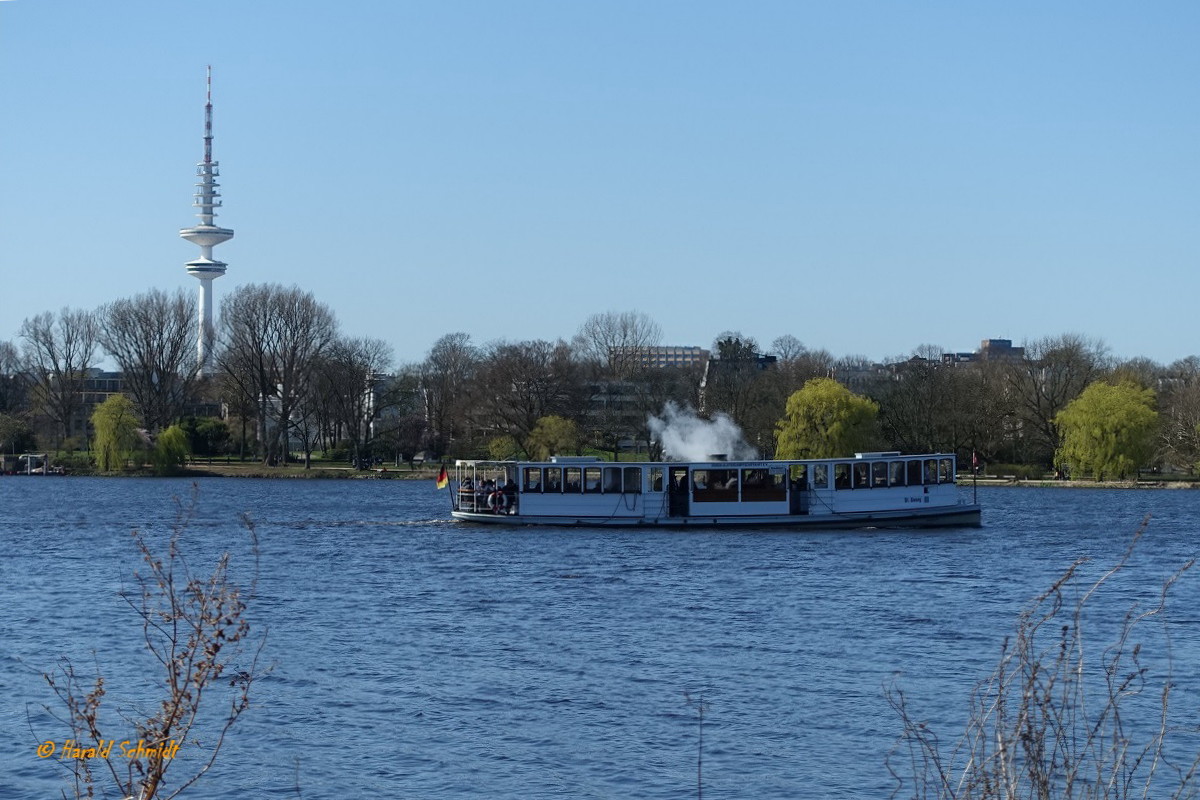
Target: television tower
pixel 206 236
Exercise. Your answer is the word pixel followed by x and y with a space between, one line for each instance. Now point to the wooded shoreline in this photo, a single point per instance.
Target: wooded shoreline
pixel 256 470
pixel 322 471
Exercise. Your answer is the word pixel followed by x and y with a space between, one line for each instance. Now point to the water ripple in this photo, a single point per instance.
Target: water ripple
pixel 416 656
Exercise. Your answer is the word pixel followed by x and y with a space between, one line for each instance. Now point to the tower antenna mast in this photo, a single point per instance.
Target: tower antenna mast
pixel 206 236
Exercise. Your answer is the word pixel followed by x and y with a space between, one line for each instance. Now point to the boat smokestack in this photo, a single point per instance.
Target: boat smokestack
pixel 717 457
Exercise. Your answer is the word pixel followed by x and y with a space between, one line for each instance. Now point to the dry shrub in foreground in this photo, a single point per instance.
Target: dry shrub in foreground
pixel 1056 719
pixel 195 627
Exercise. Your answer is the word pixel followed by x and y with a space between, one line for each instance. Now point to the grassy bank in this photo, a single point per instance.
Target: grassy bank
pixel 254 469
pixel 1050 483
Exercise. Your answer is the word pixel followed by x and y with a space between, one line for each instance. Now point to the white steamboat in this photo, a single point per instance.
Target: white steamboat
pixel 868 490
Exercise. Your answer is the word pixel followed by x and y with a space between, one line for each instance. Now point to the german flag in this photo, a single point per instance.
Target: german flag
pixel 443 480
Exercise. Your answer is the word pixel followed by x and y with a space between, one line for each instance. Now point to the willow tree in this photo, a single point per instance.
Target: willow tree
pixel 170 451
pixel 116 424
pixel 1108 431
pixel 824 419
pixel 552 435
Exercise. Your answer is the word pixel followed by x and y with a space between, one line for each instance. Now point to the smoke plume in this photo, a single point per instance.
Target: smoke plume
pixel 687 437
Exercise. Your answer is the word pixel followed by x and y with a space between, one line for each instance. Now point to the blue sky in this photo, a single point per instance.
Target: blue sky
pixel 869 177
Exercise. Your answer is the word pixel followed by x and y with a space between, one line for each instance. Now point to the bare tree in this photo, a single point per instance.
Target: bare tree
pixel 730 386
pixel 399 424
pixel 519 383
pixel 345 380
pixel 1179 405
pixel 237 385
pixel 304 423
pixel 791 373
pixel 14 389
pixel 617 342
pixel 611 349
pixel 1053 373
pixel 788 348
pixel 59 351
pixel 446 384
pixel 1145 372
pixel 273 336
pixel 916 408
pixel 152 337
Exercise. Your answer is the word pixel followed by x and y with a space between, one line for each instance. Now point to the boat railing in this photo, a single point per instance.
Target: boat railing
pixel 478 501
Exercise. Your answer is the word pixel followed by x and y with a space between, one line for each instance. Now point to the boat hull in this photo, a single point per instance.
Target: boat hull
pixel 958 516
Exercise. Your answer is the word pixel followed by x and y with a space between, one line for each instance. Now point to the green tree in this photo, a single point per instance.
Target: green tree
pixel 116 424
pixel 207 436
pixel 170 451
pixel 1108 431
pixel 502 448
pixel 15 434
pixel 553 435
pixel 825 420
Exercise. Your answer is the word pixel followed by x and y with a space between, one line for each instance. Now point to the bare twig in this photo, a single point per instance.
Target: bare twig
pixel 197 630
pixel 1049 722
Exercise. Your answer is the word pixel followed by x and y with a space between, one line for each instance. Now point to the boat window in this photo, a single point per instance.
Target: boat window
pixel 715 485
pixel 862 475
pixel 656 479
pixel 820 476
pixel 573 482
pixel 760 486
pixel 798 475
pixel 612 480
pixel 553 480
pixel 633 480
pixel 591 479
pixel 914 473
pixel 896 473
pixel 879 473
pixel 841 476
pixel 946 470
pixel 931 471
pixel 533 480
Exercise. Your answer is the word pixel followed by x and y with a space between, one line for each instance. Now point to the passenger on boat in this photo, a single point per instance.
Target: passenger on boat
pixel 841 476
pixel 481 494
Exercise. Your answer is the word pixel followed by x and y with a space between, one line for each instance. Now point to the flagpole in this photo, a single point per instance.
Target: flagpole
pixel 974 477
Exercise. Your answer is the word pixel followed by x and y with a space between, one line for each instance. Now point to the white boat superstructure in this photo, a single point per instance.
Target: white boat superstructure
pixel 884 489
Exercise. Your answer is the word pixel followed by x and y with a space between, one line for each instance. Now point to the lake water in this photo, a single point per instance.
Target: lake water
pixel 418 657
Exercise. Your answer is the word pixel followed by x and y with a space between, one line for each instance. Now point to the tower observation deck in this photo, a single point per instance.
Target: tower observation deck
pixel 206 236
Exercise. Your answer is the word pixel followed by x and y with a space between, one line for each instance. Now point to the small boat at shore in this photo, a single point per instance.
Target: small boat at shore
pixel 880 490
